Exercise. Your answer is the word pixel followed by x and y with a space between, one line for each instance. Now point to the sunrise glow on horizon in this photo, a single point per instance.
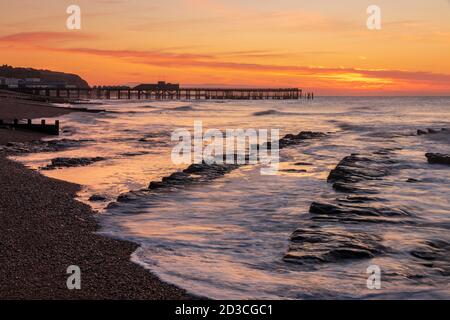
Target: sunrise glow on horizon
pixel 323 46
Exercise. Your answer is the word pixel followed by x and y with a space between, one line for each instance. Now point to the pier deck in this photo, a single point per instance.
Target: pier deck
pixel 180 94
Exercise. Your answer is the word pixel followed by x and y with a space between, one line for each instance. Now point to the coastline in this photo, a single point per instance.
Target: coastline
pixel 44 230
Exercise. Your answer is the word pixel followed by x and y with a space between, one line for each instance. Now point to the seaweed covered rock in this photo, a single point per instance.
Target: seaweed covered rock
pixel 97 198
pixel 203 172
pixel 348 212
pixel 356 168
pixel 292 139
pixel 71 162
pixel 337 229
pixel 438 158
pixel 421 132
pixel 331 244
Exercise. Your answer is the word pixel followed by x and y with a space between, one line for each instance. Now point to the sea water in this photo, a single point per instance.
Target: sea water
pixel 227 238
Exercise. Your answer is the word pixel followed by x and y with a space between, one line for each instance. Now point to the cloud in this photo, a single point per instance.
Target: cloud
pixel 45 36
pixel 236 17
pixel 235 64
pixel 157 55
pixel 344 74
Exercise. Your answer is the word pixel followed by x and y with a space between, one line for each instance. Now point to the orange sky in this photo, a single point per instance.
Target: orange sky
pixel 318 45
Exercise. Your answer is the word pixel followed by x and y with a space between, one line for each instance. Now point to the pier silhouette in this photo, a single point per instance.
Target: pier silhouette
pixel 176 94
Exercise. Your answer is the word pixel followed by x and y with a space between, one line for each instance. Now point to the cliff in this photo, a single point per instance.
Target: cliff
pixel 46 75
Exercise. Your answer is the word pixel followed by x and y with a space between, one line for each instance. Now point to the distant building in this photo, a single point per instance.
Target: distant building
pixel 161 85
pixel 3 83
pixel 34 84
pixel 10 82
pixel 112 87
pixel 32 80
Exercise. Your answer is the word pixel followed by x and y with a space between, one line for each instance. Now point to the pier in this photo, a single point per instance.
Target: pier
pixel 177 94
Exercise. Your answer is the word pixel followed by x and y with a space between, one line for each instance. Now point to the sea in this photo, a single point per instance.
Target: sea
pixel 228 238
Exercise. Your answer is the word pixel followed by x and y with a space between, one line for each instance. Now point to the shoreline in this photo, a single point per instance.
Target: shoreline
pixel 44 230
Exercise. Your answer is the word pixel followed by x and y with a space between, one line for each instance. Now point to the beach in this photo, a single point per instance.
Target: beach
pixel 44 230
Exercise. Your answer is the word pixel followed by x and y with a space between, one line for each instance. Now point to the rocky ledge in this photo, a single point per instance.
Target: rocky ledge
pixel 292 139
pixel 331 244
pixel 354 169
pixel 41 146
pixel 204 172
pixel 337 229
pixel 438 158
pixel 434 255
pixel 421 132
pixel 71 162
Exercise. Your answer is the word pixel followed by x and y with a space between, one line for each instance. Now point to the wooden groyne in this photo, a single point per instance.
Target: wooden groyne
pixel 179 94
pixel 52 129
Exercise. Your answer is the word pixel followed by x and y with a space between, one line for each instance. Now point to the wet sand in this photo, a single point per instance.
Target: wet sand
pixel 44 230
pixel 11 108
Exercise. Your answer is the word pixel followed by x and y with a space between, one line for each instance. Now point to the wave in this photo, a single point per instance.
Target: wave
pixel 375 130
pixel 273 112
pixel 183 108
pixel 204 172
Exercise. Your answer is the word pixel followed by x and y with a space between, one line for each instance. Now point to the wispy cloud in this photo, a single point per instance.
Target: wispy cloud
pixel 46 37
pixel 259 66
pixel 192 60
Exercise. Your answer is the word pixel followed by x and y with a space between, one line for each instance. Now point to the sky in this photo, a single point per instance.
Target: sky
pixel 321 46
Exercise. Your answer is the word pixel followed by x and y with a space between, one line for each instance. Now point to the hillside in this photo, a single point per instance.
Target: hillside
pixel 45 75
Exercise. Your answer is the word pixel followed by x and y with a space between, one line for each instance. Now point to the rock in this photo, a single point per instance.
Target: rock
pixel 112 205
pixel 195 173
pixel 421 132
pixel 97 197
pixel 195 168
pixel 156 185
pixel 128 196
pixel 177 178
pixel 71 162
pixel 358 199
pixel 304 135
pixel 351 212
pixel 210 170
pixel 434 254
pixel 293 170
pixel 356 168
pixel 291 139
pixel 352 188
pixel 438 158
pixel 204 172
pixel 303 164
pixel 337 230
pixel 43 146
pixel 353 169
pixel 425 255
pixel 331 244
pixel 134 153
